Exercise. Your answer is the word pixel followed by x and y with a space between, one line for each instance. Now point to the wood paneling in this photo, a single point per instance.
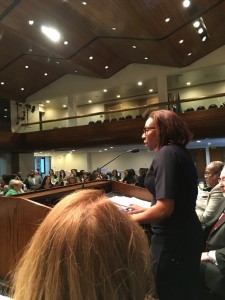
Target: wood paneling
pixel 203 124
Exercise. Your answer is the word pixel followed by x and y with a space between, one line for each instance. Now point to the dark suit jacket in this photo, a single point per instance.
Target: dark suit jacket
pixel 215 275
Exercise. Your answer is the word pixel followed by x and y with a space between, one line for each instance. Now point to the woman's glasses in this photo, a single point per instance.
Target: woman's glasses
pixel 146 129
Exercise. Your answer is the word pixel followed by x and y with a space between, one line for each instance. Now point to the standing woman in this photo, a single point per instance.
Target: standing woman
pixel 176 234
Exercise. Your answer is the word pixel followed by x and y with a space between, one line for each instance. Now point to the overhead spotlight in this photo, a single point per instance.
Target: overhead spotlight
pixel 201 29
pixel 186 3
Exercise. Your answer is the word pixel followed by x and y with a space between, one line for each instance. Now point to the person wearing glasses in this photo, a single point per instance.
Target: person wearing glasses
pixel 212 275
pixel 175 230
pixel 208 203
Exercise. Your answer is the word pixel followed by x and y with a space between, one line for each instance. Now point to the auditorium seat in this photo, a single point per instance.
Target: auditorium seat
pixel 138 116
pixel 91 122
pixel 121 118
pixel 201 107
pixel 213 106
pixel 129 117
pixel 106 121
pixel 98 122
pixel 190 109
pixel 113 119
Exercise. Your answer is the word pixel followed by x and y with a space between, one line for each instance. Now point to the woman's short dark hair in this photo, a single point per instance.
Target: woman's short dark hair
pixel 170 128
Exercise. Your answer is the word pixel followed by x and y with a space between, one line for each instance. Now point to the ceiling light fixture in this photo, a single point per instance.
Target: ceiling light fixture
pixel 186 3
pixel 140 83
pixel 31 22
pixel 167 20
pixel 51 33
pixel 146 58
pixel 118 96
pixel 65 42
pixel 26 67
pixel 106 67
pixel 2 83
pixel 113 28
pixel 181 41
pixel 134 47
pixel 188 83
pixel 151 90
pixel 201 29
pixel 91 57
pixel 105 90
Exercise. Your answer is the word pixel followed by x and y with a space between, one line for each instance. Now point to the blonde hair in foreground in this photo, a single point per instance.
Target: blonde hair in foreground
pixel 85 249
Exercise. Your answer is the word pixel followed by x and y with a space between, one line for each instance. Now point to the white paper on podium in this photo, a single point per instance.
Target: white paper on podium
pixel 124 201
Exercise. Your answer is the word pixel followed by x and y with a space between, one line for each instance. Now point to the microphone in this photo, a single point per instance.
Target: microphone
pixel 128 151
pixel 132 151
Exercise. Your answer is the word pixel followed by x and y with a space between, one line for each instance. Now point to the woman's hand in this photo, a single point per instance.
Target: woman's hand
pixel 135 209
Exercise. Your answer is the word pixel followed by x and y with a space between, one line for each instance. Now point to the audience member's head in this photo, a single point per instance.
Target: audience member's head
pixel 86 248
pixel 212 173
pixel 15 184
pixel 222 181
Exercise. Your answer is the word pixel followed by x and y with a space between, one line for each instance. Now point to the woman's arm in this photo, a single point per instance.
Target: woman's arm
pixel 162 210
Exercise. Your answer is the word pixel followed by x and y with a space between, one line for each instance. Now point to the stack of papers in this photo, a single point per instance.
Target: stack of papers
pixel 124 201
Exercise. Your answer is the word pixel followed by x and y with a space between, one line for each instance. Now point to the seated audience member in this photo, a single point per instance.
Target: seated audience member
pixel 129 177
pixel 15 187
pixel 114 175
pixel 212 275
pixel 53 176
pixel 86 248
pixel 62 178
pixel 46 183
pixel 33 180
pixel 5 183
pixel 141 177
pixel 209 202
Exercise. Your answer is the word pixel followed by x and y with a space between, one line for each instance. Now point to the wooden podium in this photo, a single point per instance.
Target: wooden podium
pixel 20 215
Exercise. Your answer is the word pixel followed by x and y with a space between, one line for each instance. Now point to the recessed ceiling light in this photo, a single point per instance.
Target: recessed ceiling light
pixel 200 30
pixel 188 83
pixel 2 83
pixel 140 83
pixel 75 71
pixel 134 47
pixel 5 109
pixel 146 58
pixel 22 89
pixel 118 96
pixel 64 105
pixel 209 144
pixel 84 3
pixel 105 149
pixel 46 74
pixel 26 67
pixel 48 101
pixel 106 67
pixel 105 90
pixel 114 28
pixel 189 54
pixel 89 101
pixel 167 20
pixel 204 38
pixel 57 62
pixel 151 90
pixel 31 22
pixel 181 41
pixel 91 57
pixel 111 147
pixel 65 42
pixel 196 24
pixel 198 141
pixel 51 33
pixel 186 3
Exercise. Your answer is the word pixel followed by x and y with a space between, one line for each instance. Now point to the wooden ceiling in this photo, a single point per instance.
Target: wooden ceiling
pixel 88 29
